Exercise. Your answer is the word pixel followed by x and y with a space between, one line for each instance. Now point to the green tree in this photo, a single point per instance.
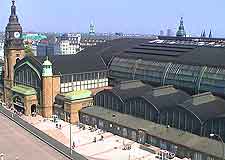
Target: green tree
pixel 28 50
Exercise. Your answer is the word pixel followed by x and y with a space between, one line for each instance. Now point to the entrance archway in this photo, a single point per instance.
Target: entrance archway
pixel 33 108
pixel 18 103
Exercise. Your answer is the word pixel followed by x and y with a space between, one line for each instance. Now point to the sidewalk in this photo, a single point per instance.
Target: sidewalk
pixel 108 149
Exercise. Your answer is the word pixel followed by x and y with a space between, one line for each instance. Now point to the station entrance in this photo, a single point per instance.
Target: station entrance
pixel 25 99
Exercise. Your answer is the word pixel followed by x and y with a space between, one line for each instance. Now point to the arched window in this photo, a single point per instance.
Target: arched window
pixel 17 60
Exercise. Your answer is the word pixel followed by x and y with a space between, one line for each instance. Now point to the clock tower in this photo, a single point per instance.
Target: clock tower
pixel 13 51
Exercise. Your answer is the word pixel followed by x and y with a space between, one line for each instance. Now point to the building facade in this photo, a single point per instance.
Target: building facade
pixel 182 144
pixel 69 44
pixel 42 83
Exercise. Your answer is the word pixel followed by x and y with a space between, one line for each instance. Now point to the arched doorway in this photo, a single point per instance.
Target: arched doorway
pixel 33 109
pixel 18 103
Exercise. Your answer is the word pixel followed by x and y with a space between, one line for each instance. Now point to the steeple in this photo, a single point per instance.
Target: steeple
pixel 181 32
pixel 203 34
pixel 92 29
pixel 210 34
pixel 13 31
pixel 13 8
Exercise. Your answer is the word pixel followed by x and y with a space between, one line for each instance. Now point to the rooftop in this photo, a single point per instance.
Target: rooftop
pixel 175 136
pixel 77 95
pixel 24 90
pixel 205 106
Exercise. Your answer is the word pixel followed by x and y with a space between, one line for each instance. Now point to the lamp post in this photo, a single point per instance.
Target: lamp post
pixel 216 135
pixel 69 118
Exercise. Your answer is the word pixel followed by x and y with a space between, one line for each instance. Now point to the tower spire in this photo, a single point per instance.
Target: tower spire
pixel 203 34
pixel 181 32
pixel 210 34
pixel 13 30
pixel 13 8
pixel 13 17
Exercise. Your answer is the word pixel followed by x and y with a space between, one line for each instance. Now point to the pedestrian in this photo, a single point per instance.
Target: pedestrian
pixel 94 139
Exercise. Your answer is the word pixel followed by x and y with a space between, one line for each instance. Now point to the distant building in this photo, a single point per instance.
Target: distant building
pixel 32 40
pixel 169 32
pixel 92 29
pixel 69 44
pixel 88 41
pixel 161 33
pixel 46 49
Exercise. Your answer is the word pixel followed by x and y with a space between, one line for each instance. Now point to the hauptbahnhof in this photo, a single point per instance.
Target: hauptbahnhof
pixel 166 91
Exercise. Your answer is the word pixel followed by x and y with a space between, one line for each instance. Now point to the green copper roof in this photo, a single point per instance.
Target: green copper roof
pixel 181 32
pixel 24 90
pixel 47 62
pixel 34 37
pixel 76 95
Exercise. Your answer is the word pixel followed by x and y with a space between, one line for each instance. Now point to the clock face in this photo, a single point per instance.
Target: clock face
pixel 17 34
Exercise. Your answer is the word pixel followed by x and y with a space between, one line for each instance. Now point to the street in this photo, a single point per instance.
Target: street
pixel 15 142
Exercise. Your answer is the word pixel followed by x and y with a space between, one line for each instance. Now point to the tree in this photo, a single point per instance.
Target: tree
pixel 28 50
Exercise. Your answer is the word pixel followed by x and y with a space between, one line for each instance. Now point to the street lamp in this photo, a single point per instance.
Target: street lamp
pixel 216 135
pixel 69 118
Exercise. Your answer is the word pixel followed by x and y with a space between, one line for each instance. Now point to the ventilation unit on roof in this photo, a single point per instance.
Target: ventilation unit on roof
pixel 131 84
pixel 164 90
pixel 203 98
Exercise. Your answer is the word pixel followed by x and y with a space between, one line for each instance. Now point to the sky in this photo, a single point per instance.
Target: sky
pixel 127 16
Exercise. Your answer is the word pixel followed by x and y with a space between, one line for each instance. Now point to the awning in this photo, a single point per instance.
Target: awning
pixel 24 90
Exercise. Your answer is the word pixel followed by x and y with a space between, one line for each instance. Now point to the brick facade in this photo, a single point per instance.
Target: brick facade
pixel 74 107
pixel 47 96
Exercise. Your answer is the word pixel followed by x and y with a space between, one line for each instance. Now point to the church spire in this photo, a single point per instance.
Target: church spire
pixel 203 35
pixel 13 8
pixel 210 34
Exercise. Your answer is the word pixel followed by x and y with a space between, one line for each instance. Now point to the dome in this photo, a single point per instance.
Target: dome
pixel 47 62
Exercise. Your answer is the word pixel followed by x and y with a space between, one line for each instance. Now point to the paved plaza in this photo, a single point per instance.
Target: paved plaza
pixel 17 143
pixel 110 148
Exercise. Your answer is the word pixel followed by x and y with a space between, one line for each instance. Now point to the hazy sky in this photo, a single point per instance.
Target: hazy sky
pixel 129 16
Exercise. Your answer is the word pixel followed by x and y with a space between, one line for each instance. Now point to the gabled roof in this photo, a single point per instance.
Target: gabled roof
pixel 165 97
pixel 131 89
pixel 205 106
pixel 77 63
pixel 161 97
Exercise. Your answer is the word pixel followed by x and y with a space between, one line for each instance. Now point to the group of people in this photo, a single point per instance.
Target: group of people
pixel 101 139
pixel 59 126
